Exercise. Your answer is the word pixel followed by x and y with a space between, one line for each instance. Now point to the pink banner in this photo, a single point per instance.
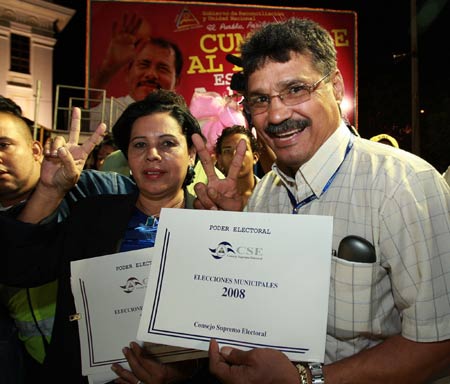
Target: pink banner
pixel 207 32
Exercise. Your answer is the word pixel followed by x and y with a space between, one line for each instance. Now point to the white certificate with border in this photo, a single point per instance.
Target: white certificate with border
pixel 246 279
pixel 109 294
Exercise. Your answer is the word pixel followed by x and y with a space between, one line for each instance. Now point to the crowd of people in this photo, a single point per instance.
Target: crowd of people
pixel 21 157
pixel 388 319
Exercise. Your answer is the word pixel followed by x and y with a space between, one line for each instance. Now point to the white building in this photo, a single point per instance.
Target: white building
pixel 27 39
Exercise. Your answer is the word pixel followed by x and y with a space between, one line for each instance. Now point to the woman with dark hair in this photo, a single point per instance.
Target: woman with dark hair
pixel 155 136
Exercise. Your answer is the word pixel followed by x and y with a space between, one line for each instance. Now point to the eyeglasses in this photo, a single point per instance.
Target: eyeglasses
pixel 295 94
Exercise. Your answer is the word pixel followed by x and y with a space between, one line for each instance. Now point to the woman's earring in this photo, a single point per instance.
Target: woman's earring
pixel 190 175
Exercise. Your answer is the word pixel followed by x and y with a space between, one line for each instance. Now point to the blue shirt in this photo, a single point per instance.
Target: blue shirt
pixel 93 182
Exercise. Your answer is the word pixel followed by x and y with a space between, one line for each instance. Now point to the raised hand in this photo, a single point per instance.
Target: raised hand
pixel 128 37
pixel 60 170
pixel 124 42
pixel 219 193
pixel 64 161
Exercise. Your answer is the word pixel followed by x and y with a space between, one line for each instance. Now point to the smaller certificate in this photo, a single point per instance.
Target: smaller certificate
pixel 109 294
pixel 249 280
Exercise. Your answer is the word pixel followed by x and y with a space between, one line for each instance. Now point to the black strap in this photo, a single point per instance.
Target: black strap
pixel 30 305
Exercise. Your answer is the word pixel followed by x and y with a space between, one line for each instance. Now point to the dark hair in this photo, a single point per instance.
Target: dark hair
pixel 237 129
pixel 108 140
pixel 160 100
pixel 91 162
pixel 164 43
pixel 276 41
pixel 9 106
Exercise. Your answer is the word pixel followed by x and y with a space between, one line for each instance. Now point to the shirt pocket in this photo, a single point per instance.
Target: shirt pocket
pixel 361 300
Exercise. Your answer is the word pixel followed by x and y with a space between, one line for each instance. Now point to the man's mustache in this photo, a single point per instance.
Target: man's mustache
pixel 288 125
pixel 150 82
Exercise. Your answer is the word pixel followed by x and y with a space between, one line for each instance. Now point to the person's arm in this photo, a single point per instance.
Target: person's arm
pixel 60 170
pixel 396 360
pixel 219 193
pixel 30 253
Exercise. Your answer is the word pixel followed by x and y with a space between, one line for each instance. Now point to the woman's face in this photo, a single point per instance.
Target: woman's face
pixel 158 155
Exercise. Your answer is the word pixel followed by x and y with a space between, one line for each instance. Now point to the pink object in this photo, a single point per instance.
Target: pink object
pixel 214 113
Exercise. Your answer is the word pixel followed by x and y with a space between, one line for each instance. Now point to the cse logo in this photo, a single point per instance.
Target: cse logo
pixel 225 249
pixel 133 283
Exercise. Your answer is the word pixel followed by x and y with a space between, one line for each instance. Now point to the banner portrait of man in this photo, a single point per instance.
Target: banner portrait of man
pixel 186 44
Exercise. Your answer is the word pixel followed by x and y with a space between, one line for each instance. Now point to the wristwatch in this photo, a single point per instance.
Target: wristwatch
pixel 316 370
pixel 302 371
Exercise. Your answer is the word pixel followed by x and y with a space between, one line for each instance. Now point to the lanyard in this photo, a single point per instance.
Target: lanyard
pixel 297 205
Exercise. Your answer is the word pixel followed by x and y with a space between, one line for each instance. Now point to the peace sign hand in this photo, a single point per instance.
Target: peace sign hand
pixel 60 170
pixel 64 161
pixel 218 193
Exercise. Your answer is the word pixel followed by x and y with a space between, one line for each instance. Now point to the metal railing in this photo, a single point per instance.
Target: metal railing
pixel 67 97
pixel 94 105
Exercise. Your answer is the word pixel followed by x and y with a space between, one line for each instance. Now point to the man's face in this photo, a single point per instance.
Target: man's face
pixel 296 132
pixel 153 68
pixel 228 149
pixel 20 160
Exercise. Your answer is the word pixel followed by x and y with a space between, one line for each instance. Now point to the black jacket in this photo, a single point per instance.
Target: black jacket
pixel 36 254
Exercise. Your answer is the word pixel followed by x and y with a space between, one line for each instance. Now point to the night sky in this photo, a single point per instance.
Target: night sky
pixel 384 81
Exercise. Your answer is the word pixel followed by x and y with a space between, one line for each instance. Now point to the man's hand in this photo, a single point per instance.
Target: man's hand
pixel 128 38
pixel 63 162
pixel 124 42
pixel 60 170
pixel 219 193
pixel 257 366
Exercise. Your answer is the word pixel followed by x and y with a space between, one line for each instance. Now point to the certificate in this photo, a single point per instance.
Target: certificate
pixel 248 280
pixel 109 294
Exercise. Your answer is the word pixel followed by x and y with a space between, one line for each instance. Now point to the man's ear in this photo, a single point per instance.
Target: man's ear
pixel 38 150
pixel 255 157
pixel 338 86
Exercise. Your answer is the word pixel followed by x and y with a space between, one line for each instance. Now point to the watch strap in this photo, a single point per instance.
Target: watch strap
pixel 316 370
pixel 302 371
